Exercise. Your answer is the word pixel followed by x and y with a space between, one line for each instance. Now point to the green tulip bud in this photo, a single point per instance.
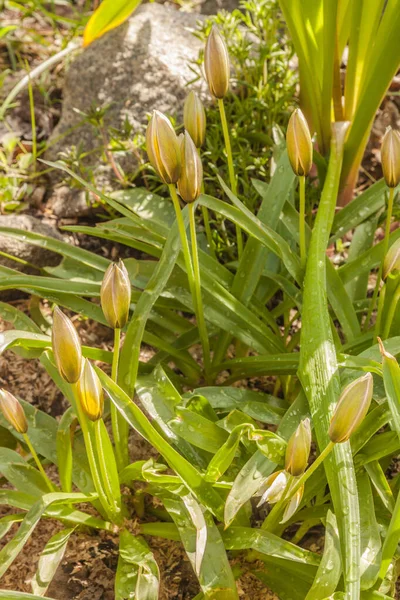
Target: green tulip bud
pixel 298 449
pixel 66 347
pixel 90 392
pixel 293 505
pixel 391 264
pixel 274 487
pixel 191 179
pixel 194 119
pixel 115 295
pixel 216 64
pixel 390 157
pixel 13 411
pixel 299 144
pixel 163 148
pixel 351 408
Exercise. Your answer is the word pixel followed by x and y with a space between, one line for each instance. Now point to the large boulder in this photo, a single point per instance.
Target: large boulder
pixel 142 65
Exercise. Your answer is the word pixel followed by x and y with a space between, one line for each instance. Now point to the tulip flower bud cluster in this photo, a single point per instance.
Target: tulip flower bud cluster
pixel 390 157
pixel 194 119
pixel 299 144
pixel 351 409
pixel 13 412
pixel 191 179
pixel 66 347
pixel 163 148
pixel 90 392
pixel 298 449
pixel 216 64
pixel 115 295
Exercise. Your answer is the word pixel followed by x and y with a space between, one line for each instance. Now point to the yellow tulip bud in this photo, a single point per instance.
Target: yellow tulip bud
pixel 13 411
pixel 299 144
pixel 190 181
pixel 90 392
pixel 163 148
pixel 216 64
pixel 274 487
pixel 293 504
pixel 66 347
pixel 194 119
pixel 390 157
pixel 351 408
pixel 391 264
pixel 298 449
pixel 115 295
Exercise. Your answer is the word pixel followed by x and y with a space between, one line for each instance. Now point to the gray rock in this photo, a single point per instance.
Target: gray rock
pixel 65 202
pixel 35 255
pixel 142 65
pixel 211 7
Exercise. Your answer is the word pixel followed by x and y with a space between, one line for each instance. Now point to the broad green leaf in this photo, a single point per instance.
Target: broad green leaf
pixel 137 572
pixel 381 485
pixel 21 474
pixel 20 320
pixel 197 430
pixel 107 16
pixel 49 560
pixel 65 433
pixel 330 568
pixel 190 476
pixel 370 535
pixel 289 586
pixel 225 455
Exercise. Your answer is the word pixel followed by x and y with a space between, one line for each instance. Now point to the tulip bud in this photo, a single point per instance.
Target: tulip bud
pixel 115 295
pixel 216 64
pixel 299 144
pixel 66 347
pixel 191 179
pixel 13 411
pixel 90 392
pixel 293 504
pixel 274 487
pixel 163 148
pixel 391 264
pixel 390 157
pixel 194 119
pixel 351 408
pixel 298 449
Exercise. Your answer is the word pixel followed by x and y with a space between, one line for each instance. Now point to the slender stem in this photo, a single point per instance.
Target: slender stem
pixel 207 227
pixel 103 469
pixel 302 221
pixel 197 287
pixel 231 170
pixel 391 313
pixel 184 241
pixel 384 252
pixel 90 454
pixel 378 321
pixel 275 514
pixel 115 418
pixel 390 543
pixel 37 461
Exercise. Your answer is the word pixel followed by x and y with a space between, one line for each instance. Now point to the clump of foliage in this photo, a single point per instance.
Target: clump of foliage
pixel 282 311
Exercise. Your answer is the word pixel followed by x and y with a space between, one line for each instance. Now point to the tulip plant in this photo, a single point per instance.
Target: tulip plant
pixel 241 473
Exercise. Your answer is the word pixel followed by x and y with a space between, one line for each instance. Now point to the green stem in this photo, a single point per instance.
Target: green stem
pixel 184 240
pixel 118 423
pixel 197 288
pixel 381 304
pixel 391 313
pixel 275 514
pixel 91 456
pixel 207 227
pixel 384 252
pixel 32 450
pixel 390 543
pixel 231 170
pixel 103 469
pixel 302 221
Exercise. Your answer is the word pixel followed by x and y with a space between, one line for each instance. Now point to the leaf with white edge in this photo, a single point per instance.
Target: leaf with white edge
pixel 137 571
pixel 49 560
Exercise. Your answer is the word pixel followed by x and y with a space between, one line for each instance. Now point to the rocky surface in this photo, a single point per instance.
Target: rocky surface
pixel 142 65
pixel 32 254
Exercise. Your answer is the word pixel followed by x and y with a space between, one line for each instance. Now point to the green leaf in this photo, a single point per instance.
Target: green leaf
pixel 137 572
pixel 391 379
pixel 49 560
pixel 9 595
pixel 65 433
pixel 20 320
pixel 330 568
pixel 197 430
pixel 110 14
pixel 370 535
pixel 21 474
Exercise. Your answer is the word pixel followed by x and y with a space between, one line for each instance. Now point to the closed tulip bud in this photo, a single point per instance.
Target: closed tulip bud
pixel 90 392
pixel 293 505
pixel 299 144
pixel 298 449
pixel 391 264
pixel 274 487
pixel 351 408
pixel 163 148
pixel 115 295
pixel 390 157
pixel 194 119
pixel 13 411
pixel 216 64
pixel 191 179
pixel 66 347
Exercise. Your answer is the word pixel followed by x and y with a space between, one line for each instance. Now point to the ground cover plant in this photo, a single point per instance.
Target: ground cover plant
pixel 237 471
